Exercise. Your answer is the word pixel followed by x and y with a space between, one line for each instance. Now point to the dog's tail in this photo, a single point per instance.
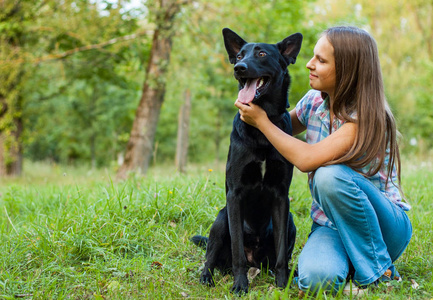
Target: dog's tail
pixel 200 241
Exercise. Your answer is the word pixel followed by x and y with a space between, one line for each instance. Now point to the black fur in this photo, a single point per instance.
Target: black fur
pixel 255 228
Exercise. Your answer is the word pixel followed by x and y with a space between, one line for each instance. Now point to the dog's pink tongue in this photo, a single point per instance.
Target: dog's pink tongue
pixel 247 94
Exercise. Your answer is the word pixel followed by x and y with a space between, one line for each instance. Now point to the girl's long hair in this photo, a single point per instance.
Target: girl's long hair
pixel 360 98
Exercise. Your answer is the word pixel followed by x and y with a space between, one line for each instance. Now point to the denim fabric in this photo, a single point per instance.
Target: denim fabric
pixel 370 232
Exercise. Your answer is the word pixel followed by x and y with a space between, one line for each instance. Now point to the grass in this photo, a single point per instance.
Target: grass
pixel 76 234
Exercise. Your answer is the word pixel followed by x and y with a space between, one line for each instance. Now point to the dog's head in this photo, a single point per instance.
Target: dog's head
pixel 261 69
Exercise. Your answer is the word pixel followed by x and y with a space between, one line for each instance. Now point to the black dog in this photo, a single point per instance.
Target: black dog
pixel 255 228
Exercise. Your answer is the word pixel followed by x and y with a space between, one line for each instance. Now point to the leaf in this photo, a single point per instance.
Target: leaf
pixel 252 273
pixel 415 285
pixel 113 286
pixel 156 264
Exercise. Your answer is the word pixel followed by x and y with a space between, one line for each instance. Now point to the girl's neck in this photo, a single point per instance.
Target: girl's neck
pixel 331 101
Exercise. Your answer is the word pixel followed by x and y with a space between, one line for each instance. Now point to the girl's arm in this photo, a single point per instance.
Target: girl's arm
pixel 297 126
pixel 306 157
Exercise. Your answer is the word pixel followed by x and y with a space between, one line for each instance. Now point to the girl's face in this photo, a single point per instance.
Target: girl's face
pixel 322 67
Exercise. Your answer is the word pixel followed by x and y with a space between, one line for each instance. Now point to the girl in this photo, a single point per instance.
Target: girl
pixel 359 222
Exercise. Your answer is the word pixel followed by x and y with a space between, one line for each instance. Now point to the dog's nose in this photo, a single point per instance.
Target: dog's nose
pixel 241 67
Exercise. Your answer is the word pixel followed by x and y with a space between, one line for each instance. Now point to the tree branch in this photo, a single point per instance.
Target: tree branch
pixel 79 49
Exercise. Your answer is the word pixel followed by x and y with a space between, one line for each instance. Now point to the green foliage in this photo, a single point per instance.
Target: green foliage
pixel 13 24
pixel 199 63
pixel 401 29
pixel 79 108
pixel 74 233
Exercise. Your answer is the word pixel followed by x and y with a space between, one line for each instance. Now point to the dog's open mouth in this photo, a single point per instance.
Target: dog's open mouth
pixel 253 88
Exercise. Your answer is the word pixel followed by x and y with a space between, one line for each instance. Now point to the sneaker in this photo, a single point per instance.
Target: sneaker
pixel 394 273
pixel 354 290
pixel 387 277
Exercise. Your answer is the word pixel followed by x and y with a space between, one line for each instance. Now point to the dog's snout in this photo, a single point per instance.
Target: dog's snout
pixel 241 67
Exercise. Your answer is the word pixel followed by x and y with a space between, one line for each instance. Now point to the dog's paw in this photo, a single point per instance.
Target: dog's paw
pixel 240 286
pixel 206 278
pixel 281 279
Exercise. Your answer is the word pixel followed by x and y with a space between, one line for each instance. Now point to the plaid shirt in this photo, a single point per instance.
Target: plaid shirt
pixel 313 112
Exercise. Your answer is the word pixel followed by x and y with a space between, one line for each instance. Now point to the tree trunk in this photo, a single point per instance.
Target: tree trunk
pixel 15 166
pixel 140 144
pixel 11 153
pixel 182 133
pixel 2 156
pixel 11 74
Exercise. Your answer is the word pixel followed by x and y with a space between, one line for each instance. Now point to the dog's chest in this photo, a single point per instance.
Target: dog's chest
pixel 263 168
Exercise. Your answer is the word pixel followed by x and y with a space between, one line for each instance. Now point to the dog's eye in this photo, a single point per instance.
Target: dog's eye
pixel 239 57
pixel 262 53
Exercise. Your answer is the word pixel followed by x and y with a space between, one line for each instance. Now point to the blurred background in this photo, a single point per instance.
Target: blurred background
pixel 131 84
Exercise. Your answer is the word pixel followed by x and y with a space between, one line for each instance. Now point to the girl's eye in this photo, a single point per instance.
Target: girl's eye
pixel 262 54
pixel 239 57
pixel 320 59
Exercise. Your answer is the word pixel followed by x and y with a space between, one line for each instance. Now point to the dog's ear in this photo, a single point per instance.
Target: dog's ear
pixel 290 47
pixel 233 43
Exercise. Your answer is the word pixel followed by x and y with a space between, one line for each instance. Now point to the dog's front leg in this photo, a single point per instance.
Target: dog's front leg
pixel 239 261
pixel 280 216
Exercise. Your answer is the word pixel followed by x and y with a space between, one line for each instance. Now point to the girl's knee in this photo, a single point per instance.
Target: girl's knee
pixel 330 179
pixel 327 178
pixel 318 280
pixel 328 175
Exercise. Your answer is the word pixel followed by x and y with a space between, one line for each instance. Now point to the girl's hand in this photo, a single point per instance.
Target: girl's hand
pixel 252 114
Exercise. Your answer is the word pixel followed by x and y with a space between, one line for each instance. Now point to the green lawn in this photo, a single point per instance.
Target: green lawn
pixel 76 234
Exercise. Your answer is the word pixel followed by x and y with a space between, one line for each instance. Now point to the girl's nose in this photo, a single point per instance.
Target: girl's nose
pixel 310 64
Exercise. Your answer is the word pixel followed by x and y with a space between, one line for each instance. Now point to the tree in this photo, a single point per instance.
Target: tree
pixel 13 36
pixel 65 77
pixel 140 144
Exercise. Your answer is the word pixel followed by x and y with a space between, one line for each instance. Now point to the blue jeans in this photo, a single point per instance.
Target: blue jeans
pixel 370 232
